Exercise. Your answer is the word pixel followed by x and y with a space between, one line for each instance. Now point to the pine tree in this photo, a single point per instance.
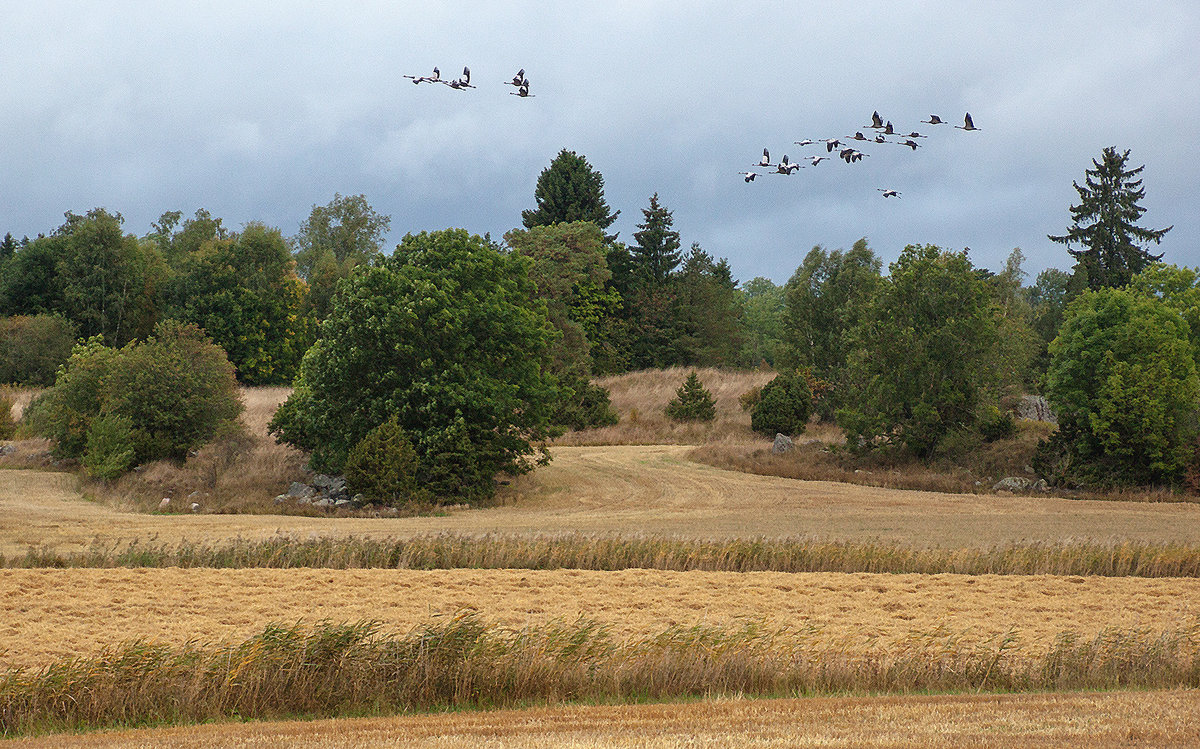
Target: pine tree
pixel 1104 224
pixel 8 247
pixel 569 190
pixel 657 250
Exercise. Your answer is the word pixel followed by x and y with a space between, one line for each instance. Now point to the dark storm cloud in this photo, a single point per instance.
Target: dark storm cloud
pixel 258 113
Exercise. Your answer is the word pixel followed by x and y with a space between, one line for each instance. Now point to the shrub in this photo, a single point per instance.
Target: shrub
pixel 176 390
pixel 33 348
pixel 784 406
pixel 749 399
pixel 109 452
pixel 995 424
pixel 585 406
pixel 383 465
pixel 692 402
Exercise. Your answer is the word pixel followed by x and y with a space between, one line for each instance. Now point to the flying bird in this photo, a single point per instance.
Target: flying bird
pixel 805 142
pixel 748 176
pixel 967 123
pixel 934 120
pixel 518 79
pixel 784 167
pixel 522 92
pixel 850 155
pixel 876 121
pixel 887 129
pixel 460 83
pixel 888 193
pixel 818 159
pixel 435 78
pixel 910 143
pixel 857 136
pixel 915 134
pixel 765 161
pixel 832 143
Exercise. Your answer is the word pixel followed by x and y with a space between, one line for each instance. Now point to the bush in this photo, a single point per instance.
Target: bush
pixel 109 452
pixel 383 465
pixel 33 348
pixel 586 406
pixel 783 407
pixel 692 402
pixel 749 399
pixel 995 424
pixel 176 390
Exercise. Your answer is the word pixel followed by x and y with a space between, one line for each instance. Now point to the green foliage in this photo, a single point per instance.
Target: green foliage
pixel 110 447
pixel 826 298
pixel 692 402
pixel 585 405
pixel 29 280
pixel 33 348
pixel 783 406
pixel 383 465
pixel 569 271
pixel 569 190
pixel 705 312
pixel 336 238
pixel 8 426
pixel 922 356
pixel 1179 289
pixel 995 424
pixel 1017 342
pixel 176 389
pixel 763 306
pixel 447 334
pixel 656 253
pixel 1104 226
pixel 1123 383
pixel 245 294
pixel 1048 302
pixel 749 399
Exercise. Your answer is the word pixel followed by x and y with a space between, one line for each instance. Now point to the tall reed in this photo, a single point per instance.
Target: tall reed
pixel 587 552
pixel 356 669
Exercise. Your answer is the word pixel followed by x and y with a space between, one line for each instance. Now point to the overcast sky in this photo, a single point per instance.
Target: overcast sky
pixel 257 113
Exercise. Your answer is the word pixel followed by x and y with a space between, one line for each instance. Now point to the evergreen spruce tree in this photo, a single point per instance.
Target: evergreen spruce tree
pixel 1103 224
pixel 692 402
pixel 8 247
pixel 569 190
pixel 656 253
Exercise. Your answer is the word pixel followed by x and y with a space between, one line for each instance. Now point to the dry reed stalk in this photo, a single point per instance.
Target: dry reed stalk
pixel 357 669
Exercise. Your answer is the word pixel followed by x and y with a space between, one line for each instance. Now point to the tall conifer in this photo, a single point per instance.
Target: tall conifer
pixel 569 190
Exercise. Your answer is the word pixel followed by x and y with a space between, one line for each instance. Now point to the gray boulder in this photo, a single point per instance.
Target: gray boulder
pixel 344 504
pixel 783 444
pixel 1012 484
pixel 7 450
pixel 323 502
pixel 298 490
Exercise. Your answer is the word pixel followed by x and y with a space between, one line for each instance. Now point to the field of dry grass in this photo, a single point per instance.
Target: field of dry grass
pixel 1027 721
pixel 54 614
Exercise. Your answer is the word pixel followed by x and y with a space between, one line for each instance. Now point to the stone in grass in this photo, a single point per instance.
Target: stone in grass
pixel 323 502
pixel 166 501
pixel 281 498
pixel 298 489
pixel 344 504
pixel 783 444
pixel 195 507
pixel 1012 484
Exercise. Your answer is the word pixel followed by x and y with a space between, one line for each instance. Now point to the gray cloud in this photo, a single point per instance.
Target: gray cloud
pixel 257 113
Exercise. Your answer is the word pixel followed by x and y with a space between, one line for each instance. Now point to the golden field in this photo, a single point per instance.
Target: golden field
pixel 52 614
pixel 1026 721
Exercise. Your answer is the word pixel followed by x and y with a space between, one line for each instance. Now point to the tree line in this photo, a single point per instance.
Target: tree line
pixel 908 360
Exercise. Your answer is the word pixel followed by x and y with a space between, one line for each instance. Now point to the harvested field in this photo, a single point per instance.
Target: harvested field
pixel 53 614
pixel 625 490
pixel 1114 719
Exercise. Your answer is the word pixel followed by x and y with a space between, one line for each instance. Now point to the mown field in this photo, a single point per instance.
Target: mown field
pixel 1136 628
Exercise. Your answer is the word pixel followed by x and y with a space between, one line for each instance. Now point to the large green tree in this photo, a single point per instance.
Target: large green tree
pixel 448 335
pixel 656 254
pixel 705 312
pixel 244 292
pixel 1123 383
pixel 569 190
pixel 335 238
pixel 763 307
pixel 922 353
pixel 1111 246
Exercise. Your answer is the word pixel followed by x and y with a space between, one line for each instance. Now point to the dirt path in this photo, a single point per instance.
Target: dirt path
pixel 1124 719
pixel 626 489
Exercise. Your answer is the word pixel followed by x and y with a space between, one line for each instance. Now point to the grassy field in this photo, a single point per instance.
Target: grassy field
pixel 52 614
pixel 1027 721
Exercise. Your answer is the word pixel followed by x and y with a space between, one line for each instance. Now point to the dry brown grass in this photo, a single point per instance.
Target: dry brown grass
pixel 640 397
pixel 55 614
pixel 1025 721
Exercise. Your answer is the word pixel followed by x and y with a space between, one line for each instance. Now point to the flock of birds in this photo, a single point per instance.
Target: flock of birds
pixel 847 150
pixel 519 81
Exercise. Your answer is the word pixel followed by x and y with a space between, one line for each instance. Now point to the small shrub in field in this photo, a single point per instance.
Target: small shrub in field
pixel 588 406
pixel 109 452
pixel 749 399
pixel 996 425
pixel 692 402
pixel 32 348
pixel 383 465
pixel 783 407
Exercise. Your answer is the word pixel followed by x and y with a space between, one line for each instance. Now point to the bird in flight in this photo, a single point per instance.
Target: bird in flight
pixel 435 78
pixel 522 92
pixel 818 159
pixel 765 161
pixel 784 167
pixel 832 143
pixel 518 80
pixel 934 120
pixel 460 83
pixel 888 193
pixel 910 143
pixel 849 155
pixel 805 142
pixel 967 123
pixel 876 121
pixel 748 176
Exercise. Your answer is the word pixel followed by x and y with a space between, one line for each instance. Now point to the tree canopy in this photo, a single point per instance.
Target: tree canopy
pixel 569 190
